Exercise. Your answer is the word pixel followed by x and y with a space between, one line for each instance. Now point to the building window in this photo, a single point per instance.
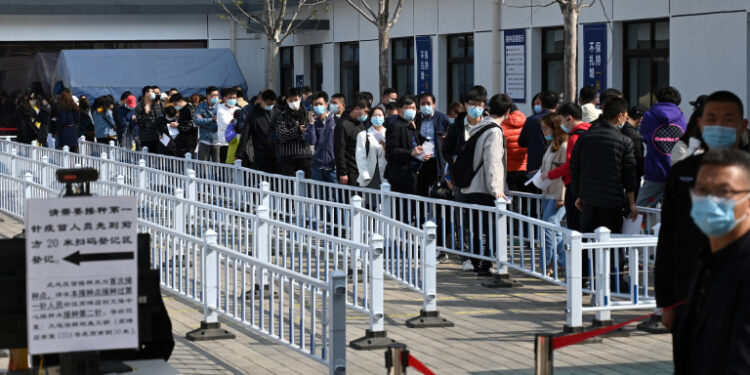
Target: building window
pixel 349 70
pixel 646 65
pixel 402 62
pixel 553 50
pixel 316 67
pixel 460 65
pixel 287 68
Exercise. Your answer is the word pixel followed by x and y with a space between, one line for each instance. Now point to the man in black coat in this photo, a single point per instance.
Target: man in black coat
pixel 403 144
pixel 680 240
pixel 714 330
pixel 630 130
pixel 532 136
pixel 345 142
pixel 258 133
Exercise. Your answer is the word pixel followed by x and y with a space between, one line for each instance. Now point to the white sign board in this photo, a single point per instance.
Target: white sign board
pixel 515 64
pixel 82 274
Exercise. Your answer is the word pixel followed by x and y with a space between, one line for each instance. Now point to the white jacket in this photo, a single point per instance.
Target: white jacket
pixel 366 162
pixel 490 149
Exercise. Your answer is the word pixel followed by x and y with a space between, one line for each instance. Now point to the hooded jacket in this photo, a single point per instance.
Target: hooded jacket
pixel 490 154
pixel 564 170
pixel 661 128
pixel 512 129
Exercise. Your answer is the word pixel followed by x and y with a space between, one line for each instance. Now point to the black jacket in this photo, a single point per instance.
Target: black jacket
pixel 454 138
pixel 713 336
pixel 257 137
pixel 292 144
pixel 345 147
pixel 532 137
pixel 402 168
pixel 631 132
pixel 602 167
pixel 680 240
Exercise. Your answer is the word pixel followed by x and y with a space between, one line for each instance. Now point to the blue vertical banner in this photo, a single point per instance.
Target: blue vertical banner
pixel 300 80
pixel 515 64
pixel 595 56
pixel 424 64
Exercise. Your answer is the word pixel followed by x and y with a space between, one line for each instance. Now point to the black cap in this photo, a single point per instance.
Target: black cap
pixel 637 111
pixel 176 98
pixel 697 103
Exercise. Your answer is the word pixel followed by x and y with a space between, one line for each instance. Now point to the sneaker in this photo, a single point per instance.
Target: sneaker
pixel 441 257
pixel 467 266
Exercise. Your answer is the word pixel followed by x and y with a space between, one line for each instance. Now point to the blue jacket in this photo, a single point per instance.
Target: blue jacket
pixel 207 127
pixel 104 124
pixel 661 128
pixel 321 136
pixel 441 123
pixel 532 137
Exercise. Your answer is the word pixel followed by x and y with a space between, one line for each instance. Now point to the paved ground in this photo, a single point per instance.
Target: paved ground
pixel 493 335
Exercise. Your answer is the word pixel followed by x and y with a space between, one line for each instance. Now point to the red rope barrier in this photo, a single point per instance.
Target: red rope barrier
pixel 563 341
pixel 419 366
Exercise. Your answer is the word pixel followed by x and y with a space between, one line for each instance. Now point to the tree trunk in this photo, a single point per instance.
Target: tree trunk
pixel 570 61
pixel 384 44
pixel 272 65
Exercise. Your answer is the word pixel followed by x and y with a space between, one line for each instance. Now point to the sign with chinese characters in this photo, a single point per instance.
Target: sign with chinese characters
pixel 515 64
pixel 82 274
pixel 424 64
pixel 299 80
pixel 595 56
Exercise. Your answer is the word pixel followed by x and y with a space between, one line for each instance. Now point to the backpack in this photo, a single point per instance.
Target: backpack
pixel 462 170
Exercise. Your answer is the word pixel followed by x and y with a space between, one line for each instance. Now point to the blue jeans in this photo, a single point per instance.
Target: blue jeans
pixel 328 217
pixel 552 214
pixel 651 193
pixel 325 175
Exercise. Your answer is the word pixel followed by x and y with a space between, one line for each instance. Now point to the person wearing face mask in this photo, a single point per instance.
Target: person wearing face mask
pixel 321 126
pixel 186 138
pixel 403 148
pixel 130 138
pixel 587 98
pixel 165 124
pixel 291 123
pixel 337 106
pixel 147 114
pixel 532 138
pixel 390 95
pixel 630 130
pixel 714 326
pixel 370 152
pixel 517 155
pixel 345 142
pixel 257 141
pixel 536 104
pixel 432 126
pixel 553 204
pixel 205 119
pixel 455 109
pixel 680 240
pixel 104 122
pixel 224 117
pixel 458 132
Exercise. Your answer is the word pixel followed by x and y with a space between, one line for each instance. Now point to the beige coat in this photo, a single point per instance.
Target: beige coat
pixel 490 178
pixel 551 160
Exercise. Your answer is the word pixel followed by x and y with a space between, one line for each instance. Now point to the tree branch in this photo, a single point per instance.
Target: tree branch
pixel 584 5
pixel 396 14
pixel 369 17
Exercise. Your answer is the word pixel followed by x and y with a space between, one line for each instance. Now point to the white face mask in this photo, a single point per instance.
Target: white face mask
pixel 294 105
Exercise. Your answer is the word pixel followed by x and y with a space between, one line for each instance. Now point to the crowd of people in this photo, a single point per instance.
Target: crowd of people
pixel 601 159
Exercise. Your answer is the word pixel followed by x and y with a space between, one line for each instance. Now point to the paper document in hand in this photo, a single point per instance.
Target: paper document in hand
pixel 537 180
pixel 632 226
pixel 164 139
pixel 428 148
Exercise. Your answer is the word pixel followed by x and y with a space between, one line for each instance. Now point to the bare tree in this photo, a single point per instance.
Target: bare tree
pixel 570 10
pixel 278 19
pixel 380 16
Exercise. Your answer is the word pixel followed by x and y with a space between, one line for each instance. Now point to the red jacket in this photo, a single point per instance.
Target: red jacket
pixel 564 170
pixel 512 129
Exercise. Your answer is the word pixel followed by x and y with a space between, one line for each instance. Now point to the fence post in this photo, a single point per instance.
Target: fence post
pixel 429 316
pixel 112 150
pixel 179 211
pixel 337 359
pixel 262 248
pixel 385 199
pixel 188 161
pixel 45 170
pixel 28 179
pixel 142 174
pixel 574 304
pixel 375 337
pixel 238 173
pixel 265 198
pixel 356 204
pixel 83 147
pixel 13 167
pixel 34 150
pixel 602 272
pixel 210 327
pixel 501 279
pixel 120 185
pixel 103 169
pixel 543 354
pixel 66 158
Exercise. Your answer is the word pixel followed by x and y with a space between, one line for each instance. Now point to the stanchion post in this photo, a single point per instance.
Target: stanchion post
pixel 501 279
pixel 357 225
pixel 34 150
pixel 179 210
pixel 262 250
pixel 265 197
pixel 13 162
pixel 120 185
pixel 602 298
pixel 385 199
pixel 574 304
pixel 45 170
pixel 543 354
pixel 376 336
pixel 103 176
pixel 429 316
pixel 337 359
pixel 142 174
pixel 238 172
pixel 28 179
pixel 66 157
pixel 396 359
pixel 210 327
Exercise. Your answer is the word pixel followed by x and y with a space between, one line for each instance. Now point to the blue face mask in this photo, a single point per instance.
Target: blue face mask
pixel 377 120
pixel 152 96
pixel 362 118
pixel 214 101
pixel 232 102
pixel 319 110
pixel 548 137
pixel 475 112
pixel 427 110
pixel 334 108
pixel 713 215
pixel 410 114
pixel 451 120
pixel 178 107
pixel 717 136
pixel 537 108
pixel 565 128
pixel 268 108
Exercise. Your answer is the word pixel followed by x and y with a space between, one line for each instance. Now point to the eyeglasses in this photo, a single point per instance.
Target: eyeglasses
pixel 719 193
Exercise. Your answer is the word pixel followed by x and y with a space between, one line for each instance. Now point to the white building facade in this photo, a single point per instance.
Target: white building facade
pixel 697 46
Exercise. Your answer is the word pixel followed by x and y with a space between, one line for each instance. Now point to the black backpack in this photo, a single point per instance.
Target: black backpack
pixel 462 169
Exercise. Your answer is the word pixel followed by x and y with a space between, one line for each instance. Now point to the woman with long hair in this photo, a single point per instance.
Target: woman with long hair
pixel 553 203
pixel 104 121
pixel 67 122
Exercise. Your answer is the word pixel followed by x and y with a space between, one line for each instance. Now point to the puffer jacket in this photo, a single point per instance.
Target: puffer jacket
pixel 512 129
pixel 602 167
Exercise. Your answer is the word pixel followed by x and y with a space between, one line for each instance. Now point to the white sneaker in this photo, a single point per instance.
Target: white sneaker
pixel 467 266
